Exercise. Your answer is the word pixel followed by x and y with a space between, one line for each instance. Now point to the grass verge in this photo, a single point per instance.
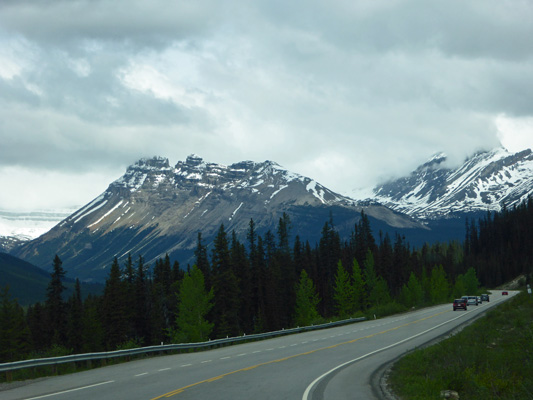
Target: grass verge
pixel 489 359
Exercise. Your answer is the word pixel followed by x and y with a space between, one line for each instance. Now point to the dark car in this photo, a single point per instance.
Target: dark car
pixel 460 303
pixel 485 297
pixel 505 293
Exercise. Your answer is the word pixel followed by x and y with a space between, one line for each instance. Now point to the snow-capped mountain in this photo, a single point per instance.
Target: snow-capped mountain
pixel 156 208
pixel 22 226
pixel 486 181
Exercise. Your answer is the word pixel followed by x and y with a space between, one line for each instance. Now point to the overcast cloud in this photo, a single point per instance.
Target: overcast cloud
pixel 349 93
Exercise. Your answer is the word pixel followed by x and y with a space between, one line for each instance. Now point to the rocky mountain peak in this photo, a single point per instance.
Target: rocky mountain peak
pixel 486 181
pixel 155 209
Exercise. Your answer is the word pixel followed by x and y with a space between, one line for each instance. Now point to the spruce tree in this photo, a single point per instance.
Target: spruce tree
pixel 194 306
pixel 115 309
pixel 75 317
pixel 14 332
pixel 55 305
pixel 343 293
pixel 226 288
pixel 307 300
pixel 359 291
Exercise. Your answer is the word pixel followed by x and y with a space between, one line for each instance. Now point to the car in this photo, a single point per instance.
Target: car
pixel 485 297
pixel 471 300
pixel 504 293
pixel 460 303
pixel 479 301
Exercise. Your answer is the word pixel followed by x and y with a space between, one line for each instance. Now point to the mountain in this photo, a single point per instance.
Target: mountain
pixel 17 227
pixel 156 208
pixel 485 182
pixel 27 283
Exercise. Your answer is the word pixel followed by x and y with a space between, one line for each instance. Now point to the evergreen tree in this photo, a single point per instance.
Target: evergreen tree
pixel 459 288
pixel 202 262
pixel 55 305
pixel 343 293
pixel 14 332
pixel 329 253
pixel 359 292
pixel 142 320
pixel 440 291
pixel 37 321
pixel 241 267
pixel 370 279
pixel 471 282
pixel 226 288
pixel 412 294
pixel 115 309
pixel 93 339
pixel 75 317
pixel 194 305
pixel 287 271
pixel 307 300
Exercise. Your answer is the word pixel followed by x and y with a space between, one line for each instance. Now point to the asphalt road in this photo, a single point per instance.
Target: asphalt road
pixel 335 363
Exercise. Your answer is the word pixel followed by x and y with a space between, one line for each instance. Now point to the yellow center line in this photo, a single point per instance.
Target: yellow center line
pixel 216 378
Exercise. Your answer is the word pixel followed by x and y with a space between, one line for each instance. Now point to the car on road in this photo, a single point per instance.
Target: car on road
pixel 471 300
pixel 504 293
pixel 479 300
pixel 485 297
pixel 460 303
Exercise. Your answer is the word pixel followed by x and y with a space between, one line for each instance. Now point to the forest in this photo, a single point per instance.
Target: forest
pixel 266 283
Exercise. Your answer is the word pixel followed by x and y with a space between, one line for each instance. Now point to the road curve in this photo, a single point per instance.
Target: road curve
pixel 334 363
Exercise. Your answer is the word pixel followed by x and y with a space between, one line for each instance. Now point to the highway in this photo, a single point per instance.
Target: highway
pixel 335 363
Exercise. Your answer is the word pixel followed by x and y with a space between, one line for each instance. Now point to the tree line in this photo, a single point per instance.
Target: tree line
pixel 265 283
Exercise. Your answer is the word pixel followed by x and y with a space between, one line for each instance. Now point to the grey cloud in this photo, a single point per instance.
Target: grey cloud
pixel 375 86
pixel 132 22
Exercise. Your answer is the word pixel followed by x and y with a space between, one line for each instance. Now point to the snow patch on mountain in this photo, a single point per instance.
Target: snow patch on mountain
pixel 486 181
pixel 27 225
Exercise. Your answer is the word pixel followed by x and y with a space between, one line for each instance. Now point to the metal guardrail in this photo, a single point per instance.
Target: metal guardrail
pixel 51 361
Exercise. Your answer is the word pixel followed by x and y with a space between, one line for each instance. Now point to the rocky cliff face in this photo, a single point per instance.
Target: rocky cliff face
pixel 486 181
pixel 156 208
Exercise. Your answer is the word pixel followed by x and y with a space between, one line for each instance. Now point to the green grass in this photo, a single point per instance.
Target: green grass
pixel 489 359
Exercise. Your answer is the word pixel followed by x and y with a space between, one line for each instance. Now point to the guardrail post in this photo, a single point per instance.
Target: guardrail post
pixel 9 376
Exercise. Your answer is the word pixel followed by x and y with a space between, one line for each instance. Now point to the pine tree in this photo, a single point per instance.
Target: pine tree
pixel 370 279
pixel 359 291
pixel 142 321
pixel 14 332
pixel 55 305
pixel 241 266
pixel 194 305
pixel 343 293
pixel 115 309
pixel 75 317
pixel 226 288
pixel 412 294
pixel 440 291
pixel 471 282
pixel 307 300
pixel 93 335
pixel 202 262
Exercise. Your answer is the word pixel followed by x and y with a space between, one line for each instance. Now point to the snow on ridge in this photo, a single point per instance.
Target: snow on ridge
pixel 312 187
pixel 91 211
pixel 277 191
pixel 235 211
pixel 92 203
pixel 107 213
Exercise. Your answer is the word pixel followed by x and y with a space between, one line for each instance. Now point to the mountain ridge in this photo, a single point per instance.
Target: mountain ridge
pixel 156 208
pixel 487 181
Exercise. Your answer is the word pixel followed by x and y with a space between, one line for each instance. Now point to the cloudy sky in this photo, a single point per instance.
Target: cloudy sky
pixel 349 92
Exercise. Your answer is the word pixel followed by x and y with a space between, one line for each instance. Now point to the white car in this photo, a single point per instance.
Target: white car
pixel 471 300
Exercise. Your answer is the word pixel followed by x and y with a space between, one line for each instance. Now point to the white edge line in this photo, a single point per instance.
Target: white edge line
pixel 308 390
pixel 69 391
